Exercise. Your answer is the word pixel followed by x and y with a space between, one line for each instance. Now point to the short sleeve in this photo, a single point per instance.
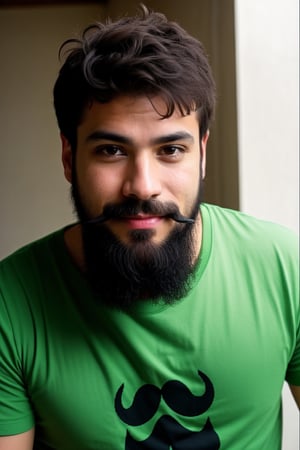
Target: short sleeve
pixel 16 415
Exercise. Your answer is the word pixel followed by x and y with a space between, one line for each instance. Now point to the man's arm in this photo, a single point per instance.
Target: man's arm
pixel 296 394
pixel 23 441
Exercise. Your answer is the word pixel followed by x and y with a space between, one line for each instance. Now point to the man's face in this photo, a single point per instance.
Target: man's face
pixel 125 150
pixel 137 172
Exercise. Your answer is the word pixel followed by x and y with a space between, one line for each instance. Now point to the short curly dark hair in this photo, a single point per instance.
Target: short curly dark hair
pixel 141 55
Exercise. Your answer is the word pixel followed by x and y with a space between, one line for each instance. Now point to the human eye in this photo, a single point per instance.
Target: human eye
pixel 171 152
pixel 109 151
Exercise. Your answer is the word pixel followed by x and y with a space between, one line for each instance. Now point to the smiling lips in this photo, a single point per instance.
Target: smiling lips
pixel 142 222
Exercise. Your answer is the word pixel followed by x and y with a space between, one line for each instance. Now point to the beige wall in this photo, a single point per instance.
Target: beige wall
pixel 34 198
pixel 268 105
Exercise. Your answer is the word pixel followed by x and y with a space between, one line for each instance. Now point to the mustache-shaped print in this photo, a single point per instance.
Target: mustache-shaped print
pixel 133 207
pixel 176 436
pixel 177 396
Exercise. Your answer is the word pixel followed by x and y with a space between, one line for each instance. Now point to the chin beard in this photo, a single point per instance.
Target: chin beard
pixel 122 275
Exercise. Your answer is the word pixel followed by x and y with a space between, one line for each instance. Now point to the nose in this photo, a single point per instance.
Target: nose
pixel 142 179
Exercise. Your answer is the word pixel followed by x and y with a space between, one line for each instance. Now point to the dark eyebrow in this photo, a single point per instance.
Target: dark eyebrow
pixel 179 136
pixel 108 136
pixel 115 137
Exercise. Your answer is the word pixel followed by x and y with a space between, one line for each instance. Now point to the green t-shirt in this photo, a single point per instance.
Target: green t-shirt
pixel 206 373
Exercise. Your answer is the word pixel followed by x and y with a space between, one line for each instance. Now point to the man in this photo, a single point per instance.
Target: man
pixel 153 322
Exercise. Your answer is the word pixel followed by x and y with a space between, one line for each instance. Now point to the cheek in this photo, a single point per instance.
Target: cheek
pixel 98 187
pixel 184 186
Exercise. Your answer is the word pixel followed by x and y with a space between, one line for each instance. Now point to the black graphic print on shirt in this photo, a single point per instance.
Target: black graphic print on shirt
pixel 168 432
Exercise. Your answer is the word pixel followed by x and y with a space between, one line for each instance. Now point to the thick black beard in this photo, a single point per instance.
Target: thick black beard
pixel 122 275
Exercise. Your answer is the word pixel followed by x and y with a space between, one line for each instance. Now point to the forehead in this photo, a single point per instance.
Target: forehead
pixel 129 115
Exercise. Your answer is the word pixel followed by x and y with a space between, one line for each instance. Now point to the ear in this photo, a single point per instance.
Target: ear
pixel 67 158
pixel 203 153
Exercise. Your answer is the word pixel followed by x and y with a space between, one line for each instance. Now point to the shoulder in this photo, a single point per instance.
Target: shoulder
pixel 24 270
pixel 241 227
pixel 264 254
pixel 26 276
pixel 25 255
pixel 261 247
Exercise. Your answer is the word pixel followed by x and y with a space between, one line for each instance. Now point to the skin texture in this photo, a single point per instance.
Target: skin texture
pixel 23 441
pixel 125 149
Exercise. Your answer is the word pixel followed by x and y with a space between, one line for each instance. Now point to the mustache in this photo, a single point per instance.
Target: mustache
pixel 133 207
pixel 176 394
